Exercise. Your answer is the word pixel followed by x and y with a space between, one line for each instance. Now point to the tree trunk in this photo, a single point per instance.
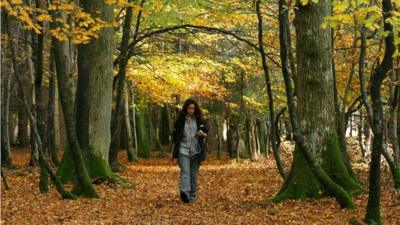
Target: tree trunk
pixel 5 112
pixel 73 163
pixel 164 126
pixel 230 135
pixel 375 111
pixel 94 93
pixel 23 137
pixel 130 150
pixel 248 137
pixel 32 119
pixel 396 152
pixel 254 139
pixel 134 130
pixel 237 142
pixel 51 138
pixel 219 138
pixel 340 114
pixel 38 41
pixel 121 89
pixel 394 115
pixel 267 139
pixel 275 147
pixel 32 100
pixel 143 150
pixel 257 137
pixel 261 135
pixel 360 135
pixel 288 129
pixel 317 165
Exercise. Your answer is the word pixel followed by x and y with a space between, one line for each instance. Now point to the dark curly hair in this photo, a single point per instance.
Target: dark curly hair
pixel 197 111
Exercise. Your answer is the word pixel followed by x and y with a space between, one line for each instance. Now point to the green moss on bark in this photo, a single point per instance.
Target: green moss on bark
pixel 142 136
pixel 97 167
pixel 396 176
pixel 334 166
pixel 302 183
pixel 67 167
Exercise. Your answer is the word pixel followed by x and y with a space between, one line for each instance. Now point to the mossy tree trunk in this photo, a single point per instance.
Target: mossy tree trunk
pixel 94 93
pixel 32 119
pixel 164 132
pixel 143 150
pixel 341 116
pixel 318 165
pixel 73 163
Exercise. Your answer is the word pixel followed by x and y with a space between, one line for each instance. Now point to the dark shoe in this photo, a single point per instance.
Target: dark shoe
pixel 192 198
pixel 184 197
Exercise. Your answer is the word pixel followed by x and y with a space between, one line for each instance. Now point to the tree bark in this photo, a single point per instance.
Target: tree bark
pixel 143 150
pixel 375 112
pixel 23 137
pixel 219 138
pixel 394 114
pixel 32 119
pixel 164 126
pixel 261 133
pixel 51 139
pixel 134 124
pixel 32 101
pixel 340 113
pixel 121 88
pixel 317 165
pixel 38 47
pixel 275 147
pixel 73 163
pixel 94 93
pixel 360 135
pixel 5 112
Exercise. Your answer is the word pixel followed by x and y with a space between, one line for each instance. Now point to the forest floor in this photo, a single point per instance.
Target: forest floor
pixel 229 193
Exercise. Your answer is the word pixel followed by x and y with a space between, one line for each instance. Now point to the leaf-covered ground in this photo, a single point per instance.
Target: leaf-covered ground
pixel 229 193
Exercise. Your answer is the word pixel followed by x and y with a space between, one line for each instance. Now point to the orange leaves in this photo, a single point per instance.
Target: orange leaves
pixel 72 21
pixel 161 78
pixel 23 13
pixel 83 26
pixel 229 192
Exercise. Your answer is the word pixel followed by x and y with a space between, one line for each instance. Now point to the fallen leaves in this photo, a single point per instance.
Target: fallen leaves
pixel 229 193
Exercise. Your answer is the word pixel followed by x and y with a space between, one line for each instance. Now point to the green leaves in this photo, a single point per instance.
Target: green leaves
pixel 305 2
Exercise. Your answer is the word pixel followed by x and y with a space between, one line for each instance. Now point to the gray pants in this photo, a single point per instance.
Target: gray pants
pixel 189 172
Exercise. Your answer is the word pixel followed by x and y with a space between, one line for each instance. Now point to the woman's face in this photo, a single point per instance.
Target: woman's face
pixel 191 109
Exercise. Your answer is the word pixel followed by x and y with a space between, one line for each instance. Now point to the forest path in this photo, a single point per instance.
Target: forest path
pixel 228 193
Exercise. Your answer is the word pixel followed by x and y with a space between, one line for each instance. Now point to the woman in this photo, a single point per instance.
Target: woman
pixel 189 132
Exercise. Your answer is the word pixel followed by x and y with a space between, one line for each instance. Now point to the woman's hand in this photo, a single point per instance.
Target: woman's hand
pixel 200 133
